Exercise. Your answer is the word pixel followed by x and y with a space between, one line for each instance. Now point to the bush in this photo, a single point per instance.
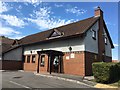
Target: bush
pixel 118 65
pixel 105 72
pixel 119 83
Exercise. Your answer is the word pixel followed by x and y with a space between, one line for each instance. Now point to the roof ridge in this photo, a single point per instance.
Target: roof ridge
pixel 58 27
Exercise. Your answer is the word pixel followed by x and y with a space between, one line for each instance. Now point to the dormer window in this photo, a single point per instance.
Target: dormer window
pixel 55 34
pixel 94 34
pixel 105 40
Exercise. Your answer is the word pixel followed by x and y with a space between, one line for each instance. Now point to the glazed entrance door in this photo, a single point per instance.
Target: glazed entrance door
pixel 55 64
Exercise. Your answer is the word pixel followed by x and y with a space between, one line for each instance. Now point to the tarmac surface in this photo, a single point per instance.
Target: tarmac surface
pixel 28 80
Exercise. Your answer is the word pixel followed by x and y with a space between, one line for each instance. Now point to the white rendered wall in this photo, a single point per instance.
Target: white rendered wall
pixel 63 45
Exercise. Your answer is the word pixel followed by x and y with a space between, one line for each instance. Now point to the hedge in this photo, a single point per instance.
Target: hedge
pixel 119 83
pixel 106 72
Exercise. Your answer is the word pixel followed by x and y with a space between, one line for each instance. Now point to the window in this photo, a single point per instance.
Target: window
pixel 28 59
pixel 94 34
pixel 33 59
pixel 42 60
pixel 106 40
pixel 55 34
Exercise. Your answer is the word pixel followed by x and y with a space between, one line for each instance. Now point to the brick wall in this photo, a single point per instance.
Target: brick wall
pixel 30 66
pixel 11 65
pixel 45 67
pixel 74 65
pixel 89 59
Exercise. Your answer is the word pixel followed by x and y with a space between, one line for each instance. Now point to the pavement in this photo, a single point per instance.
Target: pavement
pixel 71 78
pixel 78 79
pixel 30 80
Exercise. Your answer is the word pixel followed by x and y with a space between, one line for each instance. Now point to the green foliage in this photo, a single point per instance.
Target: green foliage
pixel 118 65
pixel 119 83
pixel 106 72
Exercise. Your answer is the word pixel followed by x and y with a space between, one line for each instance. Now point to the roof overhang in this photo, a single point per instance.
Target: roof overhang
pixel 50 52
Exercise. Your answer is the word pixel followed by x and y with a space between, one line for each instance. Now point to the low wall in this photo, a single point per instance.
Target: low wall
pixel 11 65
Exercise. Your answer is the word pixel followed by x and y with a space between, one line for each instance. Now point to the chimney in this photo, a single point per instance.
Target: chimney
pixel 98 12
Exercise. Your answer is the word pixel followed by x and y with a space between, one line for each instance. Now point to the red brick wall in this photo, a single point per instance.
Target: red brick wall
pixel 81 64
pixel 44 69
pixel 33 66
pixel 11 65
pixel 89 59
pixel 30 66
pixel 75 65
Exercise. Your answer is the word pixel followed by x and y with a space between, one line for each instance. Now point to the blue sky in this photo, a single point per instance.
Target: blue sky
pixel 19 19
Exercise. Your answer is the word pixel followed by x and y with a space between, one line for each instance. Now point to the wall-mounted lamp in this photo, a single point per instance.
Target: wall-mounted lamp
pixel 70 48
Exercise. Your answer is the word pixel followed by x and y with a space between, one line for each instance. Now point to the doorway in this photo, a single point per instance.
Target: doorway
pixel 55 64
pixel 54 60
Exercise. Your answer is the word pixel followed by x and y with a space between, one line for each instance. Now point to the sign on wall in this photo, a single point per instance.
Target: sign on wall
pixel 67 57
pixel 72 55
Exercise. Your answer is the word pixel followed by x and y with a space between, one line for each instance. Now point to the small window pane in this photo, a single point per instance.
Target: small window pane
pixel 42 60
pixel 28 59
pixel 33 59
pixel 94 34
pixel 105 40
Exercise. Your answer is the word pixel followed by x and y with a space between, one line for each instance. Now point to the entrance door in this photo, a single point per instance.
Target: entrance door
pixel 55 64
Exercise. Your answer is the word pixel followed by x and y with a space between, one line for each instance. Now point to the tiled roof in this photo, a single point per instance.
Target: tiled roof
pixel 6 43
pixel 69 30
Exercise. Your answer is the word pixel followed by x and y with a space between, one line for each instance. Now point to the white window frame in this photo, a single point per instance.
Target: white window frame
pixel 105 40
pixel 94 34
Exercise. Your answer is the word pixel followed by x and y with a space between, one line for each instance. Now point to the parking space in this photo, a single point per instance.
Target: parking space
pixel 17 79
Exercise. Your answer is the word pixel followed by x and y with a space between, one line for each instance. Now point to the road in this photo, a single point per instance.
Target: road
pixel 17 79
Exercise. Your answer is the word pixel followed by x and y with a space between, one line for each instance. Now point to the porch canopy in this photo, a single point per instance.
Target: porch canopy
pixel 50 53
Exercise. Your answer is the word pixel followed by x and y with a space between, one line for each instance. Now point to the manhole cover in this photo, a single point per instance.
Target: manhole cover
pixel 17 77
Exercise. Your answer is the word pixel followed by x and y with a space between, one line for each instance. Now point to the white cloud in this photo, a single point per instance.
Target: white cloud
pixel 3 7
pixel 116 45
pixel 7 31
pixel 58 5
pixel 75 10
pixel 43 19
pixel 35 3
pixel 16 37
pixel 13 20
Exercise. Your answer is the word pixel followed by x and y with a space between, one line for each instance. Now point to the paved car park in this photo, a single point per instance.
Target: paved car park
pixel 17 79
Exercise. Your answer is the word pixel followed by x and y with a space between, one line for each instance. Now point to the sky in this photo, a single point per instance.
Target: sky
pixel 19 19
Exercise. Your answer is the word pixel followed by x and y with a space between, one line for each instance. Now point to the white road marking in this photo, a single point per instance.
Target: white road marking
pixel 19 84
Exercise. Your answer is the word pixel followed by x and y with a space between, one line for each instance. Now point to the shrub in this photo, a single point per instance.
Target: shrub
pixel 105 72
pixel 119 83
pixel 118 70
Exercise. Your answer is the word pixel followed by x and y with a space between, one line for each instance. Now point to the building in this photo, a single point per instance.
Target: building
pixel 69 49
pixel 8 64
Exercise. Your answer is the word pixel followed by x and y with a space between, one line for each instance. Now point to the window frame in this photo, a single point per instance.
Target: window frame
pixel 106 40
pixel 33 61
pixel 94 34
pixel 42 63
pixel 29 59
